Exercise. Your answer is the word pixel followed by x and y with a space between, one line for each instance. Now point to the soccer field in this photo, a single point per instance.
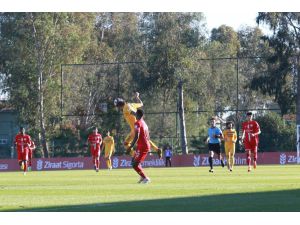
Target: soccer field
pixel 269 188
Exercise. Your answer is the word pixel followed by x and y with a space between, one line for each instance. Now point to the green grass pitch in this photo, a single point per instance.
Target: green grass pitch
pixel 268 188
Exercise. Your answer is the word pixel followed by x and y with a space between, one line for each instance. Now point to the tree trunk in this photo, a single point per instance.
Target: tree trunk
pixel 183 139
pixel 42 118
pixel 40 56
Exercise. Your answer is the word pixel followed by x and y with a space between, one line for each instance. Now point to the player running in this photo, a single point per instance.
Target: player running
pixel 23 142
pixel 142 139
pixel 230 137
pixel 214 143
pixel 250 138
pixel 129 111
pixel 30 154
pixel 109 149
pixel 95 141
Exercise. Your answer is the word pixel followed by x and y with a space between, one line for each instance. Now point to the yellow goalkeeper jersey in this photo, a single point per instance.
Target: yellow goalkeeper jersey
pixel 128 108
pixel 230 137
pixel 109 144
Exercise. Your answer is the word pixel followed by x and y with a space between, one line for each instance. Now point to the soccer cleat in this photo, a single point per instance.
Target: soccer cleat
pixel 254 165
pixel 230 170
pixel 249 169
pixel 24 173
pixel 141 180
pixel 97 170
pixel 211 170
pixel 146 180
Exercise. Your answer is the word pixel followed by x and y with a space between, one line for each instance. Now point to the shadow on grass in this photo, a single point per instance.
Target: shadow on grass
pixel 275 201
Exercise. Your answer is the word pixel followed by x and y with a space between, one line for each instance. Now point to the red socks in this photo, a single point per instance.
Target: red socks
pixel 139 170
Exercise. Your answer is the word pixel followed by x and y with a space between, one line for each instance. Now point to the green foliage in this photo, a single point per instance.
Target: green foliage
pixel 68 141
pixel 278 80
pixel 277 134
pixel 171 45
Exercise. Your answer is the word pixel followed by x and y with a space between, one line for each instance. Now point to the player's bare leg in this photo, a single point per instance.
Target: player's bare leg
pixel 155 148
pixel 254 159
pixel 25 166
pixel 221 159
pixel 228 160
pixel 29 164
pixel 249 160
pixel 232 159
pixel 108 163
pixel 97 164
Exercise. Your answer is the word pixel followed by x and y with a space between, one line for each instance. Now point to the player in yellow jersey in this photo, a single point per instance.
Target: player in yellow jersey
pixel 230 137
pixel 129 111
pixel 109 149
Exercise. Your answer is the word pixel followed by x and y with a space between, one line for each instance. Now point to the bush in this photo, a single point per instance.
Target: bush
pixel 276 133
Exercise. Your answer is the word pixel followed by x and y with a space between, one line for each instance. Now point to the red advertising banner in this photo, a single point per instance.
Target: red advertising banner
pixel 118 162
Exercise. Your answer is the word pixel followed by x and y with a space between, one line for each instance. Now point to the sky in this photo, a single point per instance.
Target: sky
pixel 234 13
pixel 234 19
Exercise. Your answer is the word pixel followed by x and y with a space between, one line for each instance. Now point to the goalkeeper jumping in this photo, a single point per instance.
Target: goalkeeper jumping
pixel 129 111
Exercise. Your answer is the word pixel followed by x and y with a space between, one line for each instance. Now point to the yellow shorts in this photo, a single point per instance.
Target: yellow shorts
pixel 230 149
pixel 108 154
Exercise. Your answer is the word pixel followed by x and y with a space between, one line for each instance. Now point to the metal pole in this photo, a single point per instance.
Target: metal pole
pixel 119 121
pixel 118 68
pixel 237 88
pixel 61 91
pixel 237 100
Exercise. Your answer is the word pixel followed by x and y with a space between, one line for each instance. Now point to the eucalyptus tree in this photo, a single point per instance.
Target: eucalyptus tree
pixel 35 45
pixel 280 79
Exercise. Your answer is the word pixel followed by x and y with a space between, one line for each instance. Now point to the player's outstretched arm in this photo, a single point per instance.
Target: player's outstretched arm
pixel 137 97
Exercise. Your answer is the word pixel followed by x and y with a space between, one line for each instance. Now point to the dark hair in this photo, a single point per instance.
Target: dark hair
pixel 21 128
pixel 249 114
pixel 119 102
pixel 229 122
pixel 139 113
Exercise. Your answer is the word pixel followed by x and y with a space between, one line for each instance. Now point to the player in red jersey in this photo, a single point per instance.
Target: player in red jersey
pixel 251 130
pixel 23 142
pixel 95 141
pixel 31 148
pixel 143 145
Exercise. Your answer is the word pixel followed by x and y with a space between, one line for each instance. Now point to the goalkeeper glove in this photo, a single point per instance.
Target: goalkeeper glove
pixel 129 151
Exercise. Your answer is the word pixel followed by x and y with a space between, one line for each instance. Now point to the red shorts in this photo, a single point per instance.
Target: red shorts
pixel 95 153
pixel 252 146
pixel 23 155
pixel 140 156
